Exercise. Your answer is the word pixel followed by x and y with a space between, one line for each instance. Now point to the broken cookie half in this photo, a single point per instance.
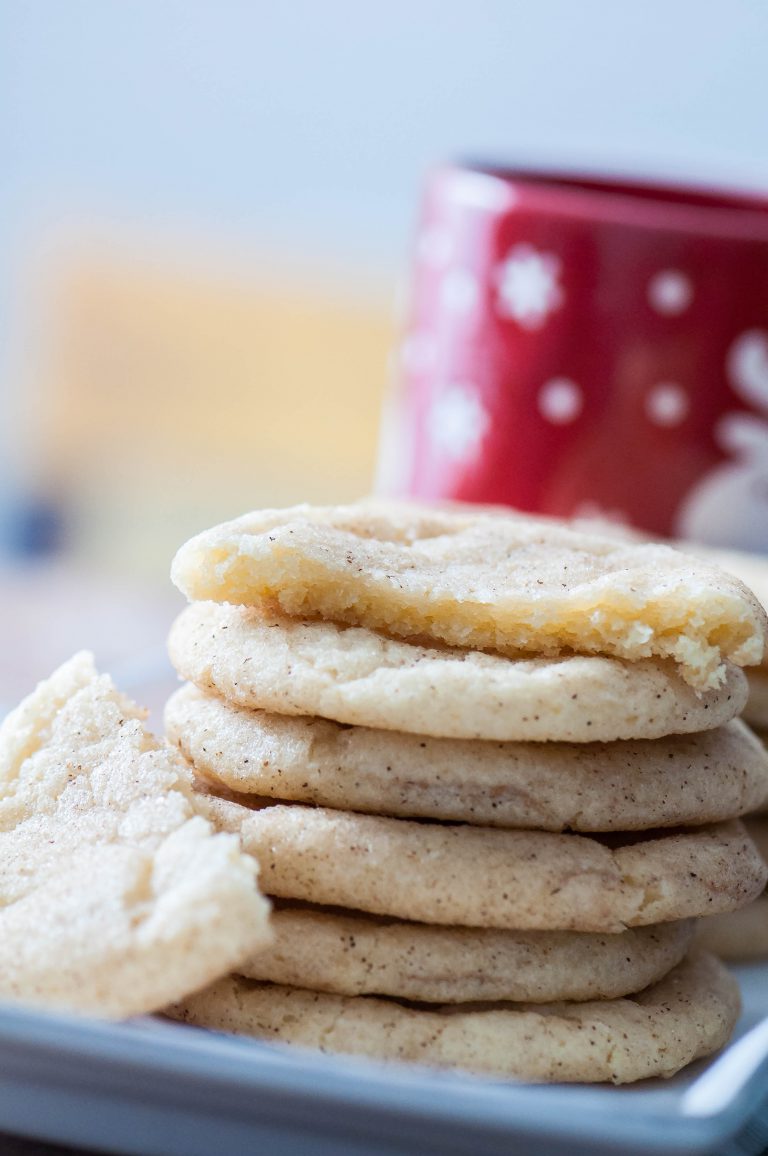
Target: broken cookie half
pixel 115 898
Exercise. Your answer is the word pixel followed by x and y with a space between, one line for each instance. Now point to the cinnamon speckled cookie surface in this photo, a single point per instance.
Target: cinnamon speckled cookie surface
pixel 484 877
pixel 356 675
pixel 353 954
pixel 688 1014
pixel 625 786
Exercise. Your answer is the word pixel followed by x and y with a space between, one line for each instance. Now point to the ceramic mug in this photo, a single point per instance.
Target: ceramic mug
pixel 587 347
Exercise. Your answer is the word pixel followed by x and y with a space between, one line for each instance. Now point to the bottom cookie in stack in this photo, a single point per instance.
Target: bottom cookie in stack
pixel 689 1013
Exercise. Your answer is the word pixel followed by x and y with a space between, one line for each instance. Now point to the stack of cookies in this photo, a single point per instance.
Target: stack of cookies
pixel 743 934
pixel 491 772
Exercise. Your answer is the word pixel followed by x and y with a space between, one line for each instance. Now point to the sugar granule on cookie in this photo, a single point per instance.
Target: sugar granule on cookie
pixel 508 584
pixel 115 897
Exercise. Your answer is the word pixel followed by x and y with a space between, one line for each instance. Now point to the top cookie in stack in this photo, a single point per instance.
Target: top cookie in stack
pixel 487 672
pixel 508 584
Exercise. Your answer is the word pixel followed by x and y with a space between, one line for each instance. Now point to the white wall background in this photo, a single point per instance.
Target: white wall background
pixel 317 118
pixel 306 125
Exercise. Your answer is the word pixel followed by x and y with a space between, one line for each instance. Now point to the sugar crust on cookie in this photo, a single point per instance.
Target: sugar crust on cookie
pixel 114 896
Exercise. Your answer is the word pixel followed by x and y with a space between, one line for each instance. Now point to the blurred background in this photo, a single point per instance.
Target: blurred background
pixel 206 213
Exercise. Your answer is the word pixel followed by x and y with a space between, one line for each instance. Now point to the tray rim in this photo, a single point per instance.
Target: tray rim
pixel 161 1064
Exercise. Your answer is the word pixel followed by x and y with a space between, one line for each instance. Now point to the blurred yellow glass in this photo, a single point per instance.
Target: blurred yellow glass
pixel 170 401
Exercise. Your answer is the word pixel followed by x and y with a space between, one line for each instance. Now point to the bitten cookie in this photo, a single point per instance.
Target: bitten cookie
pixel 487 582
pixel 752 569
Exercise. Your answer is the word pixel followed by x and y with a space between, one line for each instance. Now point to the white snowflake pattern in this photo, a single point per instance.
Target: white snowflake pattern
pixel 528 287
pixel 747 367
pixel 728 506
pixel 458 421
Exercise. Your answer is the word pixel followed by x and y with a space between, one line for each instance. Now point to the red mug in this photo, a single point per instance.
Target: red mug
pixel 587 347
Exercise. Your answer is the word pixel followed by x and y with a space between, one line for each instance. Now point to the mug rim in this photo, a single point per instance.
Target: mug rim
pixel 668 205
